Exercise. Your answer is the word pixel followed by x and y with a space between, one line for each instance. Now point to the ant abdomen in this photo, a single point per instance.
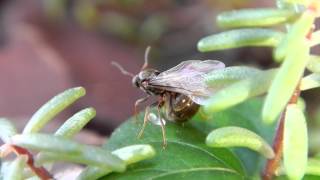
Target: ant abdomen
pixel 180 108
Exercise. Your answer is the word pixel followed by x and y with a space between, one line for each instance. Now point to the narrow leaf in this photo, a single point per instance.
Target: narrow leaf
pixel 239 137
pixel 75 123
pixel 255 17
pixel 295 36
pixel 15 169
pixel 240 38
pixel 223 77
pixel 302 2
pixel 184 144
pixel 240 91
pixel 45 142
pixel 314 64
pixel 52 108
pixel 129 154
pixel 295 145
pixel 7 130
pixel 309 82
pixel 63 148
pixel 313 166
pixel 4 169
pixel 285 83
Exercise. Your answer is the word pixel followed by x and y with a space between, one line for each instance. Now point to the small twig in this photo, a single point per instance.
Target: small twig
pixel 41 172
pixel 273 164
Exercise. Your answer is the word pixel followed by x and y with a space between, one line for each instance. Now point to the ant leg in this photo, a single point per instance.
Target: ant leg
pixel 145 119
pixel 136 104
pixel 146 60
pixel 160 104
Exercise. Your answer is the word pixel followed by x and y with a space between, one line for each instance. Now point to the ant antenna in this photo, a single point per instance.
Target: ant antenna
pixel 146 60
pixel 122 70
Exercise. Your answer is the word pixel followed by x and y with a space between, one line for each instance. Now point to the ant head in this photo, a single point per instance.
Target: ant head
pixel 144 76
pixel 145 73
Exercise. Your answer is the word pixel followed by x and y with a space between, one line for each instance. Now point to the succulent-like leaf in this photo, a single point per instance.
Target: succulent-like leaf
pixel 309 82
pixel 52 108
pixel 15 169
pixel 221 78
pixel 240 91
pixel 75 123
pixel 285 83
pixel 185 144
pixel 129 154
pixel 313 167
pixel 295 144
pixel 295 36
pixel 314 64
pixel 301 2
pixel 255 17
pixel 65 149
pixel 7 130
pixel 240 38
pixel 239 137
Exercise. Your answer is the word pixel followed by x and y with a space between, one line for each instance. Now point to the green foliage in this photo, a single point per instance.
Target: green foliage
pixel 207 146
pixel 52 108
pixel 239 91
pixel 253 17
pixel 295 145
pixel 239 137
pixel 292 49
pixel 7 130
pixel 130 154
pixel 59 146
pixel 240 38
pixel 187 154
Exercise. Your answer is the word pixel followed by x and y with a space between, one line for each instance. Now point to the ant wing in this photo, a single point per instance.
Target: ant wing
pixel 188 78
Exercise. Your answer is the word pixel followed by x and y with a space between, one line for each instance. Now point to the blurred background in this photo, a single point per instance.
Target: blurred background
pixel 48 46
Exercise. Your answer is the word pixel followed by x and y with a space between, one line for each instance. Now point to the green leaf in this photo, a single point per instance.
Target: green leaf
pixel 129 154
pixel 255 17
pixel 239 137
pixel 4 168
pixel 246 115
pixel 221 78
pixel 295 144
pixel 75 123
pixel 53 107
pixel 314 64
pixel 15 169
pixel 313 166
pixel 302 2
pixel 7 130
pixel 240 91
pixel 240 38
pixel 309 82
pixel 285 83
pixel 295 37
pixel 184 144
pixel 186 152
pixel 59 148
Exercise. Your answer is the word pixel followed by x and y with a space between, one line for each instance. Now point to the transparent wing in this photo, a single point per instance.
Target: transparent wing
pixel 188 78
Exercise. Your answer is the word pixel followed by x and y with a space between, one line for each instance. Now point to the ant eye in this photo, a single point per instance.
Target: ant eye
pixel 135 81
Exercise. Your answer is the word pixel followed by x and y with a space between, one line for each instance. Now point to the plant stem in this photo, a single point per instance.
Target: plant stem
pixel 273 164
pixel 41 172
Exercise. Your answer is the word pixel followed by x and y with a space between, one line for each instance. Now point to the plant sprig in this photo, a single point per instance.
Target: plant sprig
pixel 292 49
pixel 56 147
